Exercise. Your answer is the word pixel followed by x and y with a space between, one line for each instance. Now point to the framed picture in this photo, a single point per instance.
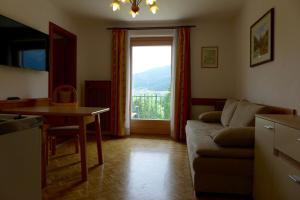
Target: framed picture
pixel 262 40
pixel 209 57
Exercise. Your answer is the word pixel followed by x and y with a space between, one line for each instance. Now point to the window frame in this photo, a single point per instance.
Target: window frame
pixel 149 126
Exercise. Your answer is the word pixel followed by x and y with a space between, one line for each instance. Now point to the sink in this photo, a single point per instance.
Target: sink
pixel 10 117
pixel 6 118
pixel 2 120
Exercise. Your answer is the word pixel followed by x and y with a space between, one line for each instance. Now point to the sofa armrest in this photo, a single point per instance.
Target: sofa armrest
pixel 235 137
pixel 211 117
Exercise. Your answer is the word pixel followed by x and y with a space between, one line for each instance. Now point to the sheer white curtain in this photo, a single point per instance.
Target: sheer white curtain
pixel 172 103
pixel 128 86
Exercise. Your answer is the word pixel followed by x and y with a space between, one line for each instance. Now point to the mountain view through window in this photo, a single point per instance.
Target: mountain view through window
pixel 151 82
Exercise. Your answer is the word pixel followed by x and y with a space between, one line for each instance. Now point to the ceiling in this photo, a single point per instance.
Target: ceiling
pixel 169 10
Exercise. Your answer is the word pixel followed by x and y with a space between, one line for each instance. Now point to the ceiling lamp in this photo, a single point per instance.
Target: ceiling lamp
pixel 116 5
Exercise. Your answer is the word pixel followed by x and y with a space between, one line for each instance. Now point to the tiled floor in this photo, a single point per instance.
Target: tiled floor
pixel 134 169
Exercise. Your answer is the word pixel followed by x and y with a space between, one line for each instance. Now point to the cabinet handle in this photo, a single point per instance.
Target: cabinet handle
pixel 298 139
pixel 295 178
pixel 268 127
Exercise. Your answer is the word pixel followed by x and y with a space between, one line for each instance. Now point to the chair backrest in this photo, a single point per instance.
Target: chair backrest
pixel 64 95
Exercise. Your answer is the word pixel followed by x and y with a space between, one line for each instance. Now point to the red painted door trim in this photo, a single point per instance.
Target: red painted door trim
pixel 69 70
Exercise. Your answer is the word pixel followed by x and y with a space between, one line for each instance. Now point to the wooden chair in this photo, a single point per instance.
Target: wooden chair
pixel 64 95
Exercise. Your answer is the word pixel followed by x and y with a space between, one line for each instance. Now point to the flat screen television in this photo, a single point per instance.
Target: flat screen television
pixel 22 46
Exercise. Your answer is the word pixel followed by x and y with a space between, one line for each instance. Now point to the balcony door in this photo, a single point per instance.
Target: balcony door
pixel 151 76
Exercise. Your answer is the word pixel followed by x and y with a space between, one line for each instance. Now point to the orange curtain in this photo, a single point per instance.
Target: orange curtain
pixel 182 97
pixel 118 101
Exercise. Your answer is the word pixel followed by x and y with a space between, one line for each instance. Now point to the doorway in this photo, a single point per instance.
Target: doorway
pixel 151 77
pixel 63 56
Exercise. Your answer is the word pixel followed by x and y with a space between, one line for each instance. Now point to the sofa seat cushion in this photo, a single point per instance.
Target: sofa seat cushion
pixel 214 168
pixel 200 142
pixel 245 113
pixel 202 128
pixel 206 147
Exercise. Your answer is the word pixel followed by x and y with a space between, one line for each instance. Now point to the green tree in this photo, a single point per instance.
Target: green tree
pixel 151 106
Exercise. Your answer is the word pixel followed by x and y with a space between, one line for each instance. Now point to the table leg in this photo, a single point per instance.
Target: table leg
pixel 82 142
pixel 44 155
pixel 99 138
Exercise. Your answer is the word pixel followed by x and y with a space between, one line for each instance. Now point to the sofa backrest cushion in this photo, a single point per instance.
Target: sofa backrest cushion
pixel 245 113
pixel 235 137
pixel 228 111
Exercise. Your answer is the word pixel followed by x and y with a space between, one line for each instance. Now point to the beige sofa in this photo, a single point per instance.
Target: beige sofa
pixel 220 148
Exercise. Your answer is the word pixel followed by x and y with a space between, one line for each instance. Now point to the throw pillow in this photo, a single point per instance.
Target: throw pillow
pixel 235 137
pixel 211 117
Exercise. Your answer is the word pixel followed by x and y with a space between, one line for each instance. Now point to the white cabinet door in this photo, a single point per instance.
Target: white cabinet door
pixel 286 179
pixel 263 159
pixel 20 168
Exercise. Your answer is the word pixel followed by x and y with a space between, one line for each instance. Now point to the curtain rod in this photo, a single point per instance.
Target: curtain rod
pixel 151 28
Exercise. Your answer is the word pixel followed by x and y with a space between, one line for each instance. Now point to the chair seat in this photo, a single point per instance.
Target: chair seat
pixel 64 128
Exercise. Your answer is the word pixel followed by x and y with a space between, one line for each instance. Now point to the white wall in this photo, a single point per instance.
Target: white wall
pixel 93 52
pixel 213 82
pixel 94 55
pixel 36 14
pixel 276 83
pixel 22 83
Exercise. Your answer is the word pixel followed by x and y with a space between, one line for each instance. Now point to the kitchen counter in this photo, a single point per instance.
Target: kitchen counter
pixel 20 155
pixel 10 123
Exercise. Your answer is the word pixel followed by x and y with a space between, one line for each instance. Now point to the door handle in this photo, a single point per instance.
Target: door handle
pixel 295 178
pixel 268 127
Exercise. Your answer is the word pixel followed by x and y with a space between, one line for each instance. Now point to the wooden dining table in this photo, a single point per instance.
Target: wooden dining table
pixel 83 115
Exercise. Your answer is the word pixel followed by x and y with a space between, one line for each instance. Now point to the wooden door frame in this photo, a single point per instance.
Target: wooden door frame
pixel 144 126
pixel 53 29
pixel 150 127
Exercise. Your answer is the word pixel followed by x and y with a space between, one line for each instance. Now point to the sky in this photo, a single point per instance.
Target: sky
pixel 150 57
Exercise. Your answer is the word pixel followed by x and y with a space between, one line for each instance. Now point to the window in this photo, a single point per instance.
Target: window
pixel 151 78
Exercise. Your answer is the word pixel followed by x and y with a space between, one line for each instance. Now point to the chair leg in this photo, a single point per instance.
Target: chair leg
pixel 47 150
pixel 76 140
pixel 53 146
